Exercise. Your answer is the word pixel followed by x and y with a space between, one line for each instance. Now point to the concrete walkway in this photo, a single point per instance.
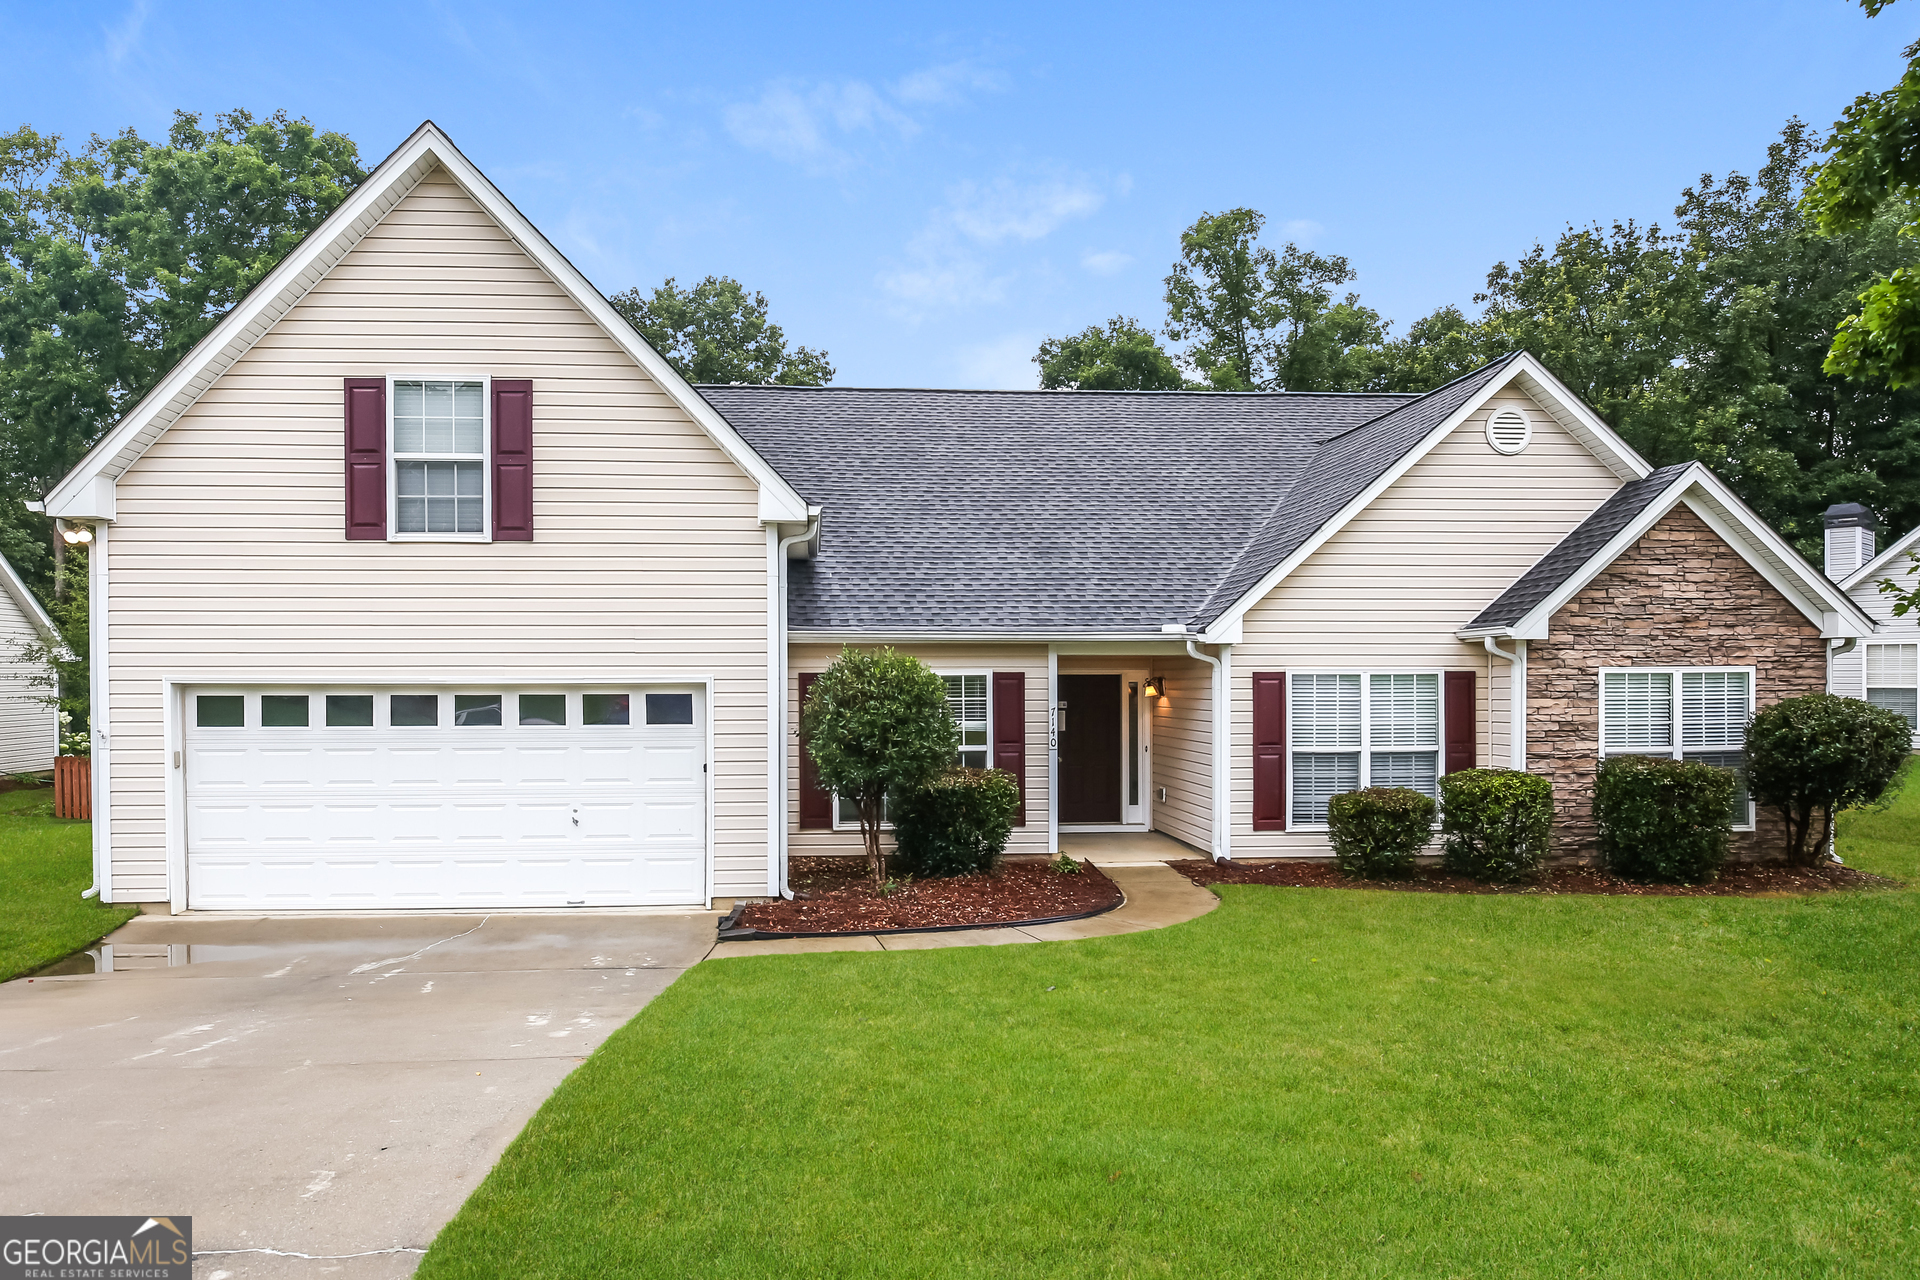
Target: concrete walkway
pixel 1155 896
pixel 320 1094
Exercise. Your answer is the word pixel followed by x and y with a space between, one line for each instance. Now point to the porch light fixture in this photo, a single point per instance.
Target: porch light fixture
pixel 76 534
pixel 1152 687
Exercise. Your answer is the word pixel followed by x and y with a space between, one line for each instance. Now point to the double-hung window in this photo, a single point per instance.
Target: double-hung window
pixel 1348 730
pixel 1684 713
pixel 439 458
pixel 1893 679
pixel 971 708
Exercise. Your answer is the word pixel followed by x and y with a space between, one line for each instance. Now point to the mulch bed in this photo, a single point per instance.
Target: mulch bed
pixel 833 895
pixel 1737 880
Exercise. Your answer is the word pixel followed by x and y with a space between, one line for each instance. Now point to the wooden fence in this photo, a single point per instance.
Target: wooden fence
pixel 73 787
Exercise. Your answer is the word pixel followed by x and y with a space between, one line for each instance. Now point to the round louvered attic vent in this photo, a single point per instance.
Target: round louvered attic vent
pixel 1509 429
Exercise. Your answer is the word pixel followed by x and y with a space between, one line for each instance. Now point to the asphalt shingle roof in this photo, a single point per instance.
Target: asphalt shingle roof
pixel 990 512
pixel 1572 552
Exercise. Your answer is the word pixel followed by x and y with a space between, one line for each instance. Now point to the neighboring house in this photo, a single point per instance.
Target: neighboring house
pixel 423 581
pixel 1884 670
pixel 29 723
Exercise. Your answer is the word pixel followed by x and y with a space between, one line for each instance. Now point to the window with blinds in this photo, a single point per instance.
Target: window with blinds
pixel 1348 730
pixel 1893 679
pixel 1638 716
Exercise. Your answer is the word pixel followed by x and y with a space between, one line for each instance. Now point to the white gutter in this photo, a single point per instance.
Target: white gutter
pixel 1222 748
pixel 1516 699
pixel 777 706
pixel 98 670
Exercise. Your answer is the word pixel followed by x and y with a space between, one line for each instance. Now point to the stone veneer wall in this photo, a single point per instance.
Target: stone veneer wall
pixel 1679 597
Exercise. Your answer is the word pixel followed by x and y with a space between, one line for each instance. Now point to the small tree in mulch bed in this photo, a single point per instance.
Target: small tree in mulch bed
pixel 876 721
pixel 1377 832
pixel 1663 820
pixel 955 824
pixel 1812 756
pixel 1495 823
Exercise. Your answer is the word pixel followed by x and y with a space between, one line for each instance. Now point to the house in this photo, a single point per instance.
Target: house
pixel 1884 670
pixel 29 724
pixel 424 582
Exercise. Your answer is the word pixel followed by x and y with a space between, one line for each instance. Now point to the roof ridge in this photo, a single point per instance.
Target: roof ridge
pixel 1424 394
pixel 1407 396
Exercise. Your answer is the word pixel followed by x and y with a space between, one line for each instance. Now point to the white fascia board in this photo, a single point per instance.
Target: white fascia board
pixel 1821 601
pixel 1137 642
pixel 314 257
pixel 1541 385
pixel 21 595
pixel 1877 566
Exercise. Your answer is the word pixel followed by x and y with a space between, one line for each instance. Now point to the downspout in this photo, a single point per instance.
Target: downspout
pixel 778 698
pixel 1516 699
pixel 1222 752
pixel 1835 647
pixel 99 750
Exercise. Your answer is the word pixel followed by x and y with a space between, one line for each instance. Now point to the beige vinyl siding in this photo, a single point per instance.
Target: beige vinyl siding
pixel 1389 590
pixel 1029 659
pixel 1183 751
pixel 228 559
pixel 1847 672
pixel 29 726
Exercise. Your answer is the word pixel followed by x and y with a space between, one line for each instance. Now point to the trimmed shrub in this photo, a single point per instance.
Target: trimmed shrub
pixel 1495 823
pixel 957 824
pixel 1376 833
pixel 1664 820
pixel 1812 756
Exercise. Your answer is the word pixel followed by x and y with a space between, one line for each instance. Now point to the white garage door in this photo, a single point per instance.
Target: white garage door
pixel 474 798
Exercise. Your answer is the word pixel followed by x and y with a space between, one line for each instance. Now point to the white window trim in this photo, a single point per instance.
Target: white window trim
pixel 840 824
pixel 1366 728
pixel 1677 750
pixel 486 461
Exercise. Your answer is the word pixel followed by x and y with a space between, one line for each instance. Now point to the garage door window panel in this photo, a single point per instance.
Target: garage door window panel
pixel 349 711
pixel 413 710
pixel 669 708
pixel 220 711
pixel 283 710
pixel 545 710
pixel 604 709
pixel 474 710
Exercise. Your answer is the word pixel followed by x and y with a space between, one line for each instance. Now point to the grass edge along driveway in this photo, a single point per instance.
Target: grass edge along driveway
pixel 45 864
pixel 1305 1082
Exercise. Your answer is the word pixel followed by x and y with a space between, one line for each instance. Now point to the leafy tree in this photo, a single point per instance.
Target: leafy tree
pixel 1260 320
pixel 116 260
pixel 1812 756
pixel 1121 357
pixel 718 332
pixel 877 722
pixel 58 664
pixel 1708 341
pixel 1873 160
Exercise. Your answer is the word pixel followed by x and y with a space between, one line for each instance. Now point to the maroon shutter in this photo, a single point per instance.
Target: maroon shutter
pixel 1010 732
pixel 512 460
pixel 366 400
pixel 816 802
pixel 1269 751
pixel 1461 714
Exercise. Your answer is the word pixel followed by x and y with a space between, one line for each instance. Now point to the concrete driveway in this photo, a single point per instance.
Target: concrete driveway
pixel 319 1087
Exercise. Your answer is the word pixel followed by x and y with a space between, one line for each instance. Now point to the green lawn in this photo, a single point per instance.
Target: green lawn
pixel 1304 1082
pixel 45 864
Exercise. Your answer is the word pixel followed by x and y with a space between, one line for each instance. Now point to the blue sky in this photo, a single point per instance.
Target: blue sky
pixel 928 190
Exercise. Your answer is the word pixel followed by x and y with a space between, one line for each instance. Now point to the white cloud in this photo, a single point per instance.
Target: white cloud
pixel 804 125
pixel 1106 262
pixel 1008 210
pixel 943 281
pixel 1002 364
pixel 1301 231
pixel 124 37
pixel 948 83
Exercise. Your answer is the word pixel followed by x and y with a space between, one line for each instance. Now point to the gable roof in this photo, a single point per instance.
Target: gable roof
pixel 1029 512
pixel 1877 567
pixel 29 605
pixel 1053 513
pixel 1525 609
pixel 87 491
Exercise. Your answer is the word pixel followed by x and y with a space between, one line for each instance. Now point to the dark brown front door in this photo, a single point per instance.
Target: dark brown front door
pixel 1090 748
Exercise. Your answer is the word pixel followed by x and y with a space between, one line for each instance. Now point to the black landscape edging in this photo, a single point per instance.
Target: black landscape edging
pixel 731 932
